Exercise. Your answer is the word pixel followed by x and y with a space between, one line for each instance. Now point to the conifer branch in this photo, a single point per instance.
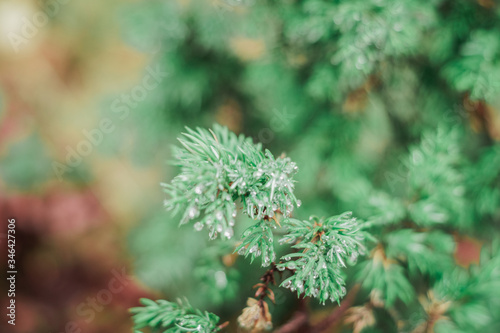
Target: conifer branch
pixel 220 170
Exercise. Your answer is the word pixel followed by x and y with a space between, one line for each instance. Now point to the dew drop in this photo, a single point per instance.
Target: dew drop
pixel 198 189
pixel 193 211
pixel 228 233
pixel 267 262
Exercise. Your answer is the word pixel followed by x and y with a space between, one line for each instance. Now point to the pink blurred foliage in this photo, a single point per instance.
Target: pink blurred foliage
pixel 67 250
pixel 57 212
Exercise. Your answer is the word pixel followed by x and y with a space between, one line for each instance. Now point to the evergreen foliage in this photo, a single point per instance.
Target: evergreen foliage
pixel 390 109
pixel 326 246
pixel 218 168
pixel 174 317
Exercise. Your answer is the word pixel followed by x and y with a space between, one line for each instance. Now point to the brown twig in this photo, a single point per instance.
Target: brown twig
pixel 263 289
pixel 223 325
pixel 336 315
pixel 299 321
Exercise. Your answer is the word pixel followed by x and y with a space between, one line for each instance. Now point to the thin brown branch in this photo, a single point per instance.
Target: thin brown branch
pixel 299 320
pixel 336 316
pixel 263 289
pixel 223 325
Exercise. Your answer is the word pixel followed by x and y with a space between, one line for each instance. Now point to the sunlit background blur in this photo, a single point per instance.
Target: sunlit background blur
pixel 86 124
pixel 56 80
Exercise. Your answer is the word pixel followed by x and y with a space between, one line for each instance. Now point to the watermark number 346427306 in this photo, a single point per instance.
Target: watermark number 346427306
pixel 11 271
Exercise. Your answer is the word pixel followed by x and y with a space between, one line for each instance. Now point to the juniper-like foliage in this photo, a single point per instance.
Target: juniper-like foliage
pixel 390 109
pixel 325 247
pixel 217 169
pixel 173 317
pixel 222 173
